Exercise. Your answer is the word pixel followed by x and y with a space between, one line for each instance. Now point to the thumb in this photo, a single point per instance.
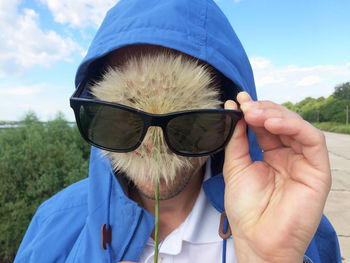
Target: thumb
pixel 237 156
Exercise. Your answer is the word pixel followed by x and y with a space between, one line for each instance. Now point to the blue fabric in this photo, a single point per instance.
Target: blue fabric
pixel 215 191
pixel 324 247
pixel 67 227
pixel 307 260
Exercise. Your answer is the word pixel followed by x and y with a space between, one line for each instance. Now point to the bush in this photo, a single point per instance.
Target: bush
pixel 36 161
pixel 331 109
pixel 333 127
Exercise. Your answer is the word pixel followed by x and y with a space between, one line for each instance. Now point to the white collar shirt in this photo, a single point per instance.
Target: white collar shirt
pixel 196 239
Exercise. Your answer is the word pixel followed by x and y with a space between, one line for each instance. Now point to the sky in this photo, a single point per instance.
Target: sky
pixel 297 49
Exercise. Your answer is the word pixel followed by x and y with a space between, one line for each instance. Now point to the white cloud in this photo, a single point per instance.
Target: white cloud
pixel 308 81
pixel 23 44
pixel 293 83
pixel 46 100
pixel 79 13
pixel 21 90
pixel 260 63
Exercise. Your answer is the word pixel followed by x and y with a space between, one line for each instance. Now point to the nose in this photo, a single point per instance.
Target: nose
pixel 148 143
pixel 154 138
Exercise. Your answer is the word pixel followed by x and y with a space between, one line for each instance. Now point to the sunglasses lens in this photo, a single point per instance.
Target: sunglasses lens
pixel 110 127
pixel 200 133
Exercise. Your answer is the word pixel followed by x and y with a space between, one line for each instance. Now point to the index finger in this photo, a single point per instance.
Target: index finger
pixel 311 139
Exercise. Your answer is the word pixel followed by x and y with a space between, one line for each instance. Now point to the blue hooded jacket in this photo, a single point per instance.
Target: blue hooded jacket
pixel 67 227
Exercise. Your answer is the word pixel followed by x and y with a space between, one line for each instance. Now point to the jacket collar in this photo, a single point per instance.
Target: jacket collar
pixel 131 225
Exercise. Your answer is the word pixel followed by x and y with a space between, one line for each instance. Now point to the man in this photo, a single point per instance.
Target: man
pixel 273 199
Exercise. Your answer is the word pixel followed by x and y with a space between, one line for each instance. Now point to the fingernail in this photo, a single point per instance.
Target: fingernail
pixel 244 94
pixel 229 105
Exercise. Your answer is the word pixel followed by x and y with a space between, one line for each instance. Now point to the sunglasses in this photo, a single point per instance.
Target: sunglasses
pixel 119 128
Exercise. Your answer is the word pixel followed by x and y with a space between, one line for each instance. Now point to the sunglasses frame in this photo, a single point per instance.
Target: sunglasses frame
pixel 149 119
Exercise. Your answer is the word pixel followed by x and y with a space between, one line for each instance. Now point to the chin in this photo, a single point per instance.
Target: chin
pixel 150 167
pixel 167 189
pixel 172 171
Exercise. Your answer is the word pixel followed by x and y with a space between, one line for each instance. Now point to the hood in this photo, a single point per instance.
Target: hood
pixel 197 27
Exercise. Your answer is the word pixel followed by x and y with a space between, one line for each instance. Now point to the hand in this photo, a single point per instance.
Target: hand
pixel 274 206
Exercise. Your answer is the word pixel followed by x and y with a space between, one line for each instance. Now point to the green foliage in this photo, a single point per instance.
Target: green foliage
pixel 290 105
pixel 342 92
pixel 36 161
pixel 331 109
pixel 333 127
pixel 305 103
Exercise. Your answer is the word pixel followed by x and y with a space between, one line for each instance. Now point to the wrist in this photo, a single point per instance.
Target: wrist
pixel 247 254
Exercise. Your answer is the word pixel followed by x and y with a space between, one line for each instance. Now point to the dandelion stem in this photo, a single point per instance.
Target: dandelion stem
pixel 156 228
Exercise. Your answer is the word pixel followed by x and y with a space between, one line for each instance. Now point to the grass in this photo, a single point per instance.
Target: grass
pixel 332 127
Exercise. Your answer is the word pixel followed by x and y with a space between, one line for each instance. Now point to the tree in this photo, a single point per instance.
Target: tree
pixel 36 161
pixel 289 105
pixel 330 109
pixel 342 92
pixel 333 110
